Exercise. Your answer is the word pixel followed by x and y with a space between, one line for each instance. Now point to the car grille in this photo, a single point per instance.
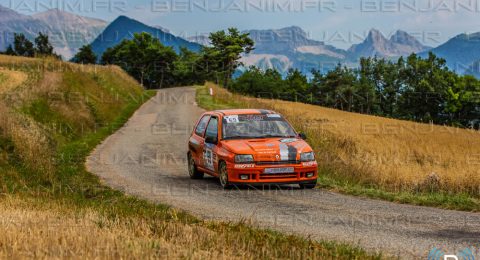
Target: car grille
pixel 278 162
pixel 278 176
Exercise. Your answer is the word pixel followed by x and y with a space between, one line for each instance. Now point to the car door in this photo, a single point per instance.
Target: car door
pixel 210 159
pixel 197 141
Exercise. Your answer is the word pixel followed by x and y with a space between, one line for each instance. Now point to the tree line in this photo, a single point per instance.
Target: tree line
pixel 417 89
pixel 26 48
pixel 156 65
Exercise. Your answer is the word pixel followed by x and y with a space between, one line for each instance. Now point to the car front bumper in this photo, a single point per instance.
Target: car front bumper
pixel 303 173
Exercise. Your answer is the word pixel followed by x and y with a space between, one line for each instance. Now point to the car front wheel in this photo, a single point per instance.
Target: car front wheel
pixel 223 175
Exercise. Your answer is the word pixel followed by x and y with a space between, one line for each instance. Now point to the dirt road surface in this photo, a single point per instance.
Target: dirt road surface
pixel 147 158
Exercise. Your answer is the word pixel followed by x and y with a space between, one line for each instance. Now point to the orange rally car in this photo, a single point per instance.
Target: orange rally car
pixel 250 146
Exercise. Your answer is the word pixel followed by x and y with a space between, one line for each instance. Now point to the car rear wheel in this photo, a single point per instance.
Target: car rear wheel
pixel 223 175
pixel 308 186
pixel 192 169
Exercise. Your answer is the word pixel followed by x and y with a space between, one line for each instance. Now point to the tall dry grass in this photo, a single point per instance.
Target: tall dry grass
pixel 10 79
pixel 32 144
pixel 44 102
pixel 393 154
pixel 55 231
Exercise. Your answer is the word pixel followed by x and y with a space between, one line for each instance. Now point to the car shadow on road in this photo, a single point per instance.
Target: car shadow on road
pixel 212 181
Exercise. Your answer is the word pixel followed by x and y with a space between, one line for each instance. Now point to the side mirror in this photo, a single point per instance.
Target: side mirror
pixel 302 136
pixel 211 140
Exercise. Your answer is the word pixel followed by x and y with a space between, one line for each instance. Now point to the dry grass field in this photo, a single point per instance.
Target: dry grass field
pixel 52 115
pixel 10 79
pixel 392 154
pixel 52 230
pixel 59 232
pixel 45 103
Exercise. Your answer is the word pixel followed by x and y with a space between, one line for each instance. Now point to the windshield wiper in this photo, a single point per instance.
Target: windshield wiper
pixel 270 136
pixel 237 137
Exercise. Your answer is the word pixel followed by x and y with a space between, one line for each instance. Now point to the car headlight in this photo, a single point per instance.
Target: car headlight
pixel 307 157
pixel 245 158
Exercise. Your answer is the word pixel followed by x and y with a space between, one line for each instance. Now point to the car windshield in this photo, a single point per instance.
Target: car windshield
pixel 256 126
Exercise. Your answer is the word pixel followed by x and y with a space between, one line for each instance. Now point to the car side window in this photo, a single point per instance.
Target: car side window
pixel 202 125
pixel 212 129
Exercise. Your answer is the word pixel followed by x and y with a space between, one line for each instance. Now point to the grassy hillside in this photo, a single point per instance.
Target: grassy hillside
pixel 51 117
pixel 3 77
pixel 9 79
pixel 379 157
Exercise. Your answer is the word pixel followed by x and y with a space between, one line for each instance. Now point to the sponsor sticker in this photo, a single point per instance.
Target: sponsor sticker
pixel 252 118
pixel 274 116
pixel 308 164
pixel 208 156
pixel 232 119
pixel 244 166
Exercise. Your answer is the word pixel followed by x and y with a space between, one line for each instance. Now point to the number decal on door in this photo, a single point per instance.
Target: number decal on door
pixel 208 157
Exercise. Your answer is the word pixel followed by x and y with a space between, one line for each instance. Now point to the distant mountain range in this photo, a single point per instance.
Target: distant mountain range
pixel 291 47
pixel 460 52
pixel 123 28
pixel 281 49
pixel 291 40
pixel 67 31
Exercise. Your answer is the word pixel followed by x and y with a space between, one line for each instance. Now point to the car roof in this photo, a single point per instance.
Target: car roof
pixel 228 112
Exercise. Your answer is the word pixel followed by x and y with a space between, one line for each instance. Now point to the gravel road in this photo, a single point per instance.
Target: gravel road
pixel 147 158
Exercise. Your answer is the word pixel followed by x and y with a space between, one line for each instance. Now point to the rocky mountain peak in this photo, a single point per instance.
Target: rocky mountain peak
pixel 375 37
pixel 376 44
pixel 402 37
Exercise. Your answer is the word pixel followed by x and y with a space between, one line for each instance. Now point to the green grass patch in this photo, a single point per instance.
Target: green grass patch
pixel 54 122
pixel 463 202
pixel 206 101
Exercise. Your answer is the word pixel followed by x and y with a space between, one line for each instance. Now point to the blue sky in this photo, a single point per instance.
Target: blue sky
pixel 337 22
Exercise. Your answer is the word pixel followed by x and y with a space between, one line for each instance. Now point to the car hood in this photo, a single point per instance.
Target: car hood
pixel 270 149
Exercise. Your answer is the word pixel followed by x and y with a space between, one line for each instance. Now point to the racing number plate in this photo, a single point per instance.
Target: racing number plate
pixel 279 170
